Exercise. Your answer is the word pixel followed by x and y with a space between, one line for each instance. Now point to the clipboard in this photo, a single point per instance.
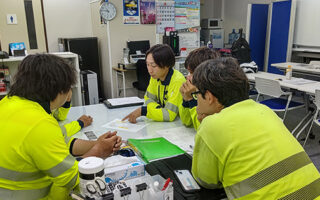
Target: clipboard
pixel 123 102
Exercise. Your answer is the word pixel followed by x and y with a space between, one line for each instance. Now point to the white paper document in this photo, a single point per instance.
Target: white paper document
pixel 124 125
pixel 182 136
pixel 124 101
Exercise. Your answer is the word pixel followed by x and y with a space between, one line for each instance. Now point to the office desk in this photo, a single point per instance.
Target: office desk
pixel 300 69
pixel 122 73
pixel 102 115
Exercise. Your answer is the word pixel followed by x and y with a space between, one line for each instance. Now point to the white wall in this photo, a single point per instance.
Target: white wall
pixel 111 52
pixel 235 14
pixel 66 18
pixel 19 32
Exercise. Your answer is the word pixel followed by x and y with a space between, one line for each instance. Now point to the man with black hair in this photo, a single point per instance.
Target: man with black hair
pixel 187 111
pixel 162 97
pixel 35 155
pixel 243 145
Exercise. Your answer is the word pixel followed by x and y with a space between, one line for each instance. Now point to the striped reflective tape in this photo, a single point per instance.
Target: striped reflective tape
pixel 24 194
pixel 63 166
pixel 268 175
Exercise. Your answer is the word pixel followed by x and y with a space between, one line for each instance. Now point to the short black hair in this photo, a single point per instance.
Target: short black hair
pixel 162 55
pixel 224 78
pixel 197 56
pixel 41 77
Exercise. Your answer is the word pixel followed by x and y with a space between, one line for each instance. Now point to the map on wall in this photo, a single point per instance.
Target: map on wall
pixel 187 13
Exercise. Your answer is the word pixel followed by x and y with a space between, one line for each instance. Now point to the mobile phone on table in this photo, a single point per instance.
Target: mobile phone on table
pixel 187 181
pixel 90 135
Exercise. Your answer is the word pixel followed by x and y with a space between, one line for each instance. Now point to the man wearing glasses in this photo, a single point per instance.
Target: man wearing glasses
pixel 242 145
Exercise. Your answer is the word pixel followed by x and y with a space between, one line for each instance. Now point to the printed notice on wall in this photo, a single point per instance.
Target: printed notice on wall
pixel 165 15
pixel 187 13
pixel 131 12
pixel 147 12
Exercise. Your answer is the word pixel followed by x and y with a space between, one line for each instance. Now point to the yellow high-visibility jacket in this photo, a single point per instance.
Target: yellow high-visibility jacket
pixel 68 129
pixel 188 113
pixel 247 149
pixel 163 98
pixel 34 157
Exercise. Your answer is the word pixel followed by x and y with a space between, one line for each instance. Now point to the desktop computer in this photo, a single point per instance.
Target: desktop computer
pixel 89 86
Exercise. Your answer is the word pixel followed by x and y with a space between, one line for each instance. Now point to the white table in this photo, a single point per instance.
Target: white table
pixel 299 67
pixel 102 115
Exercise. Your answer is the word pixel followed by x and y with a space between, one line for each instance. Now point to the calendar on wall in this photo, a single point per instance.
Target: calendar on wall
pixel 164 15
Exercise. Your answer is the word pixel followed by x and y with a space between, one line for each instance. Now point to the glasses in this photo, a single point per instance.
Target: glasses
pixel 195 95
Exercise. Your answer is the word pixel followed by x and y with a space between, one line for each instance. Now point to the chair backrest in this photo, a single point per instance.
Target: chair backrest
pixel 317 99
pixel 143 75
pixel 268 87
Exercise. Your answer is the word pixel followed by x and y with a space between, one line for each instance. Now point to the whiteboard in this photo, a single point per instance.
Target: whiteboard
pixel 307 23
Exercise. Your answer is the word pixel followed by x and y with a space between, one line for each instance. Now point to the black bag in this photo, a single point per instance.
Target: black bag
pixel 241 50
pixel 166 168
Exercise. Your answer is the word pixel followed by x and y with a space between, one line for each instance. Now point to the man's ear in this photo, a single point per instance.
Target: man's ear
pixel 210 97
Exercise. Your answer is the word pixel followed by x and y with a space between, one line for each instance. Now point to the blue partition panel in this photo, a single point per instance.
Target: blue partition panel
pixel 279 34
pixel 258 30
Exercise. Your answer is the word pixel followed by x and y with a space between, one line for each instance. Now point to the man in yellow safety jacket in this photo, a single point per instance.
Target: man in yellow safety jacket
pixel 244 146
pixel 187 110
pixel 162 97
pixel 35 159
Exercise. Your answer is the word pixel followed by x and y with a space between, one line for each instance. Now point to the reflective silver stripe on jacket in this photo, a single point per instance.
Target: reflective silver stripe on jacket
pixel 165 114
pixel 24 194
pixel 268 175
pixel 151 96
pixel 72 182
pixel 149 101
pixel 171 107
pixel 63 166
pixel 20 176
pixel 310 191
pixel 65 134
pixel 207 185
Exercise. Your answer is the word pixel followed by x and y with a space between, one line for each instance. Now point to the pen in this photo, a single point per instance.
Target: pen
pixel 166 184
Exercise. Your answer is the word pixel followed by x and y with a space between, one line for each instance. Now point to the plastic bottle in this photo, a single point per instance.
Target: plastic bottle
pixel 289 72
pixel 232 36
pixel 210 45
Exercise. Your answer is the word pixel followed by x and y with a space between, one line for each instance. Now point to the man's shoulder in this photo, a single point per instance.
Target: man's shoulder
pixel 177 77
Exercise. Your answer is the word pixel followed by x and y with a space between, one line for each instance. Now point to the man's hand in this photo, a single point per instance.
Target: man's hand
pixel 86 119
pixel 201 116
pixel 106 144
pixel 132 117
pixel 186 89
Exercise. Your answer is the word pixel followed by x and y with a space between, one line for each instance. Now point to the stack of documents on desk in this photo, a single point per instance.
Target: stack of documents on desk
pixel 299 81
pixel 123 102
pixel 154 148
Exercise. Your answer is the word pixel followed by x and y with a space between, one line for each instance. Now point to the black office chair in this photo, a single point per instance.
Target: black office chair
pixel 143 76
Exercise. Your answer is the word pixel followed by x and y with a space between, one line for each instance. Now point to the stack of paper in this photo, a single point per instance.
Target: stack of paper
pixel 123 102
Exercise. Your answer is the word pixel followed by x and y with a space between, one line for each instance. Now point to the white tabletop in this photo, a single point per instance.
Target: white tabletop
pixel 299 67
pixel 308 88
pixel 102 115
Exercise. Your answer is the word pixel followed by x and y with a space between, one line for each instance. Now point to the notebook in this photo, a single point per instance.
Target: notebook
pixel 123 102
pixel 154 148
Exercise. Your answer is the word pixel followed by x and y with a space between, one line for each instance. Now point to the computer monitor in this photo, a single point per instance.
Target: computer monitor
pixel 143 46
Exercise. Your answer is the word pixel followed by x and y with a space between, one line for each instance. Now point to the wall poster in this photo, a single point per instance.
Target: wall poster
pixel 147 12
pixel 187 13
pixel 131 12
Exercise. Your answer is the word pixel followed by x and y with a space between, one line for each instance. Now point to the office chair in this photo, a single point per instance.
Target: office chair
pixel 143 76
pixel 273 89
